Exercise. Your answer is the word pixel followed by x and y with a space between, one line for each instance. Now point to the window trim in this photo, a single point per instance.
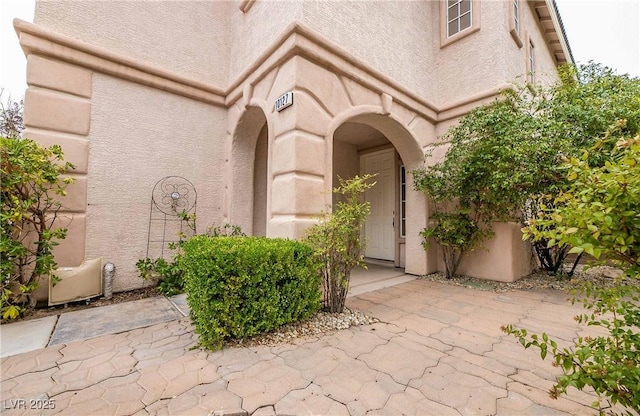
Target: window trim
pixel 402 211
pixel 246 5
pixel 531 61
pixel 515 14
pixel 475 24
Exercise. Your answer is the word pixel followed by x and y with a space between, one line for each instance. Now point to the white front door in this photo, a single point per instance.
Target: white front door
pixel 378 228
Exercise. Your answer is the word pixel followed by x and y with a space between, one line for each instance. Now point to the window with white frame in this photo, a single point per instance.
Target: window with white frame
pixel 531 62
pixel 403 203
pixel 514 22
pixel 459 16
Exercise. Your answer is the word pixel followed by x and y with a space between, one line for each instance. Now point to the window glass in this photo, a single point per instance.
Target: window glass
pixel 403 202
pixel 459 16
pixel 532 62
pixel 465 21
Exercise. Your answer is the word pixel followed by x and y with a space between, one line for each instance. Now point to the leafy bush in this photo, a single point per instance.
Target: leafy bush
pixel 30 185
pixel 238 287
pixel 456 233
pixel 11 117
pixel 337 240
pixel 169 273
pixel 505 156
pixel 598 214
pixel 609 364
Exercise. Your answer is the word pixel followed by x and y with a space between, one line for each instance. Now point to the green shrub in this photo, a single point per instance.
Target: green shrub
pixel 169 273
pixel 30 188
pixel 610 364
pixel 337 240
pixel 238 287
pixel 598 214
pixel 457 233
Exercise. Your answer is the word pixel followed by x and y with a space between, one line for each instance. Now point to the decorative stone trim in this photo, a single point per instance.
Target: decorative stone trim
pixel 245 5
pixel 296 40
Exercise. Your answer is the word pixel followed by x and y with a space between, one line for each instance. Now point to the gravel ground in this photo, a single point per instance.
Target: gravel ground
pixel 325 322
pixel 318 323
pixel 602 276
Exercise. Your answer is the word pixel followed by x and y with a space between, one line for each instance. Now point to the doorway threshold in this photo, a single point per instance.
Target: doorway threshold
pixel 378 274
pixel 379 262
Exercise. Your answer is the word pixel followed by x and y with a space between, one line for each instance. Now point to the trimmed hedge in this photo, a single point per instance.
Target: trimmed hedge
pixel 238 287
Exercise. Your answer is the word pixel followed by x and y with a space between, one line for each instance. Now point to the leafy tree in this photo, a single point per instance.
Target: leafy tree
pixel 504 159
pixel 11 117
pixel 499 156
pixel 337 243
pixel 30 188
pixel 599 213
pixel 609 364
pixel 457 233
pixel 170 274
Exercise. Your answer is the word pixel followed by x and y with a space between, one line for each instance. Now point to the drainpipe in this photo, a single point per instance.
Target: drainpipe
pixel 109 270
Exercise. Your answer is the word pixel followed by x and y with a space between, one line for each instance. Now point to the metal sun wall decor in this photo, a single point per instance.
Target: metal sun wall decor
pixel 171 196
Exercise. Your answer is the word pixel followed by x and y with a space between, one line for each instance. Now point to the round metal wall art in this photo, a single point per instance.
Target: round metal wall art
pixel 174 194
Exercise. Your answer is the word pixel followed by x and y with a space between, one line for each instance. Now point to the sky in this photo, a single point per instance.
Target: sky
pixel 605 31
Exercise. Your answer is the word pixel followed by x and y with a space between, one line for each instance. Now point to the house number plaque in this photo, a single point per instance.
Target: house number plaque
pixel 284 101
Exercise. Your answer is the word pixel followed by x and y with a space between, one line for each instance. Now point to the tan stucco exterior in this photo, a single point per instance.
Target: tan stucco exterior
pixel 136 91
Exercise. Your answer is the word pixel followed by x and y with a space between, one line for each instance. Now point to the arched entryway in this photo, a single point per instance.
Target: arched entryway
pixel 378 144
pixel 248 182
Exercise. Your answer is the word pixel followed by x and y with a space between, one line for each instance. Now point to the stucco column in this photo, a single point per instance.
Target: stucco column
pixel 417 261
pixel 298 183
pixel 58 111
pixel 299 174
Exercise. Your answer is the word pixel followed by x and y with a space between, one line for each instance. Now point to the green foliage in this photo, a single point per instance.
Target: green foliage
pixel 238 287
pixel 337 240
pixel 31 184
pixel 456 233
pixel 591 98
pixel 609 364
pixel 11 117
pixel 505 158
pixel 169 273
pixel 598 213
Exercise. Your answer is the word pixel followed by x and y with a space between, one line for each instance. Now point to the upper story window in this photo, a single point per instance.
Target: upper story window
pixel 245 5
pixel 514 22
pixel 459 14
pixel 531 62
pixel 403 202
pixel 458 19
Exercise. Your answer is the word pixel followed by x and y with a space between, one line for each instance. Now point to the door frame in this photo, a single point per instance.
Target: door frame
pixel 398 261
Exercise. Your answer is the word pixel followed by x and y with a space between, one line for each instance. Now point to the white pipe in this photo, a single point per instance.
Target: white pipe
pixel 109 270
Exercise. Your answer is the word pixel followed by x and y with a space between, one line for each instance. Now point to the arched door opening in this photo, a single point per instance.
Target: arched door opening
pixel 249 182
pixel 359 148
pixel 260 183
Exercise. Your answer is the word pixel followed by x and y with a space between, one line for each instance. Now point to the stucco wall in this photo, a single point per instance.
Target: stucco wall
pixel 395 37
pixel 252 32
pixel 545 64
pixel 473 63
pixel 138 136
pixel 515 57
pixel 260 183
pixel 346 163
pixel 187 37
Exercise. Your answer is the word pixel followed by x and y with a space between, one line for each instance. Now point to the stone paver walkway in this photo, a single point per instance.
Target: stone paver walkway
pixel 439 350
